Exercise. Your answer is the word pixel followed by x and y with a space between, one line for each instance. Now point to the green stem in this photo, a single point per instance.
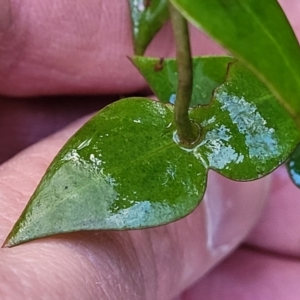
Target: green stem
pixel 186 130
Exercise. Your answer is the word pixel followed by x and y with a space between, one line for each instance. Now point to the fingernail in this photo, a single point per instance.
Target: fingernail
pixel 5 15
pixel 232 208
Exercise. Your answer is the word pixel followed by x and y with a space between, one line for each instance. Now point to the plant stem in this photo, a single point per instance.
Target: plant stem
pixel 186 130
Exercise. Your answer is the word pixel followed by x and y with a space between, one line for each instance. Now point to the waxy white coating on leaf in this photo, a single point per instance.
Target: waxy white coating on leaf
pixel 208 122
pixel 158 108
pixel 72 155
pixel 95 160
pixel 220 152
pixel 215 150
pixel 258 137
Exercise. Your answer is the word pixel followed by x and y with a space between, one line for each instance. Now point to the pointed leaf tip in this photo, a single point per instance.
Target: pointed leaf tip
pixel 121 170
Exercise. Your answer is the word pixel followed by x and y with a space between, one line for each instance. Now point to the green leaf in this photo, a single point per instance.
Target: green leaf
pixel 259 35
pixel 208 72
pixel 147 17
pixel 123 169
pixel 293 166
pixel 255 134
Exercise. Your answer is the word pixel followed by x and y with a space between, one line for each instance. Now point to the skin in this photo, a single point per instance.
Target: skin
pixel 242 245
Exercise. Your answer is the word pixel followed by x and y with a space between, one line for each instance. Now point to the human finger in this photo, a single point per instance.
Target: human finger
pixel 61 46
pixel 156 263
pixel 249 274
pixel 278 229
pixel 24 122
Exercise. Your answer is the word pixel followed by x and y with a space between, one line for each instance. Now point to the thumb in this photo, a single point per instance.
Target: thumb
pixel 156 263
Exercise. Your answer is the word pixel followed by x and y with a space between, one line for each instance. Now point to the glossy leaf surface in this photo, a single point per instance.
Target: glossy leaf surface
pixel 147 17
pixel 161 75
pixel 259 35
pixel 255 133
pixel 121 170
pixel 293 166
pixel 124 169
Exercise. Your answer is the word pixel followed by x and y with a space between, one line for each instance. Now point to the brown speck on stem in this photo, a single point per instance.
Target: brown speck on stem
pixel 159 65
pixel 147 3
